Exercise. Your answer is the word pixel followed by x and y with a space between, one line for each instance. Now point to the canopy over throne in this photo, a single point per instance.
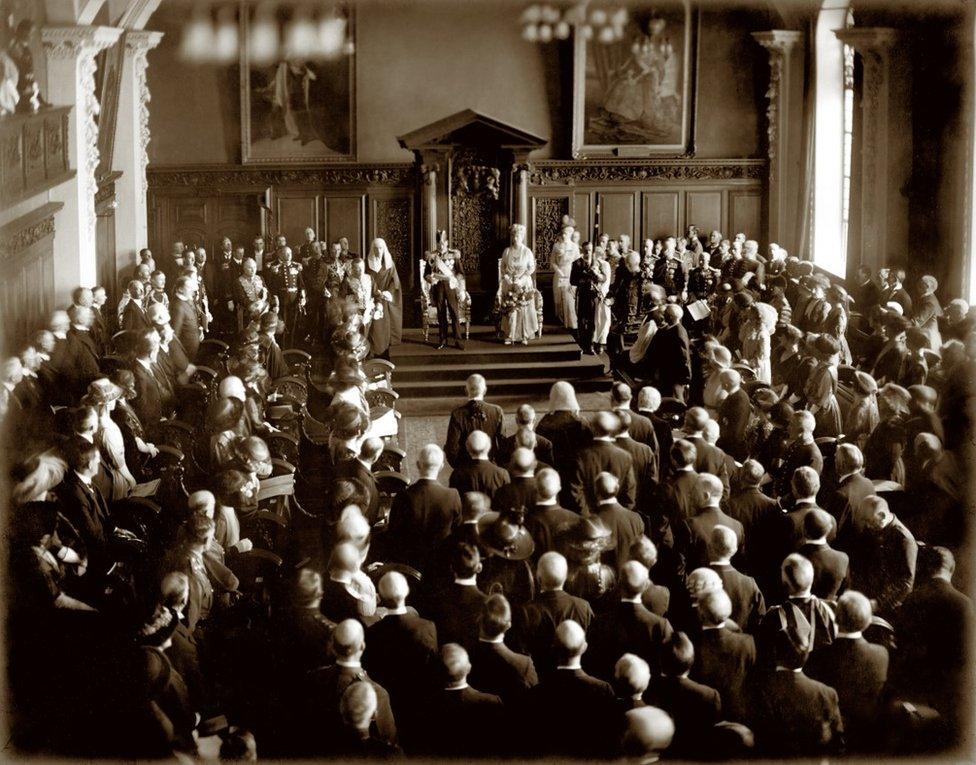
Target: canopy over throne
pixel 474 186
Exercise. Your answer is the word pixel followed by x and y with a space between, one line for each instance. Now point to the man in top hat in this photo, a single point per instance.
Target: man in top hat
pixel 478 474
pixel 444 268
pixel 507 547
pixel 474 414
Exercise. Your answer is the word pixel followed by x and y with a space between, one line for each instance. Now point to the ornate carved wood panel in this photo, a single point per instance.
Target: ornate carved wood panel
pixel 392 221
pixel 26 274
pixel 295 211
pixel 547 217
pixel 33 153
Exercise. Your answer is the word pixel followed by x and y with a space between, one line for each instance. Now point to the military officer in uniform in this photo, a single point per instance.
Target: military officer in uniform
pixel 669 271
pixel 307 248
pixel 445 276
pixel 258 255
pixel 289 285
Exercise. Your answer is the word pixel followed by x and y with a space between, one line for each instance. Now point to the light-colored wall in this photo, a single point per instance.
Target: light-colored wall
pixel 419 61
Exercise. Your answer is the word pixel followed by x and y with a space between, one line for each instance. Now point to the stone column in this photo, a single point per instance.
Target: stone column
pixel 131 149
pixel 782 150
pixel 71 69
pixel 885 143
pixel 428 202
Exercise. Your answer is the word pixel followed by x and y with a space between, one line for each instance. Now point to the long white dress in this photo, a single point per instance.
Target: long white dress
pixel 517 268
pixel 564 254
pixel 601 322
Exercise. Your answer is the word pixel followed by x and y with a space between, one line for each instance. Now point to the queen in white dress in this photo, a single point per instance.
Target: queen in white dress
pixel 516 290
pixel 564 252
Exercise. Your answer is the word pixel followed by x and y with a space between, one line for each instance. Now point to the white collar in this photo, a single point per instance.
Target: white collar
pixel 458 687
pixel 145 363
pixel 573 664
pixel 396 611
pixel 805 501
pixel 609 501
pixel 9 386
pixel 351 663
pixel 796 671
pixel 709 507
pixel 494 641
pixel 719 563
pixel 623 434
pixel 84 479
pixel 822 542
pixel 720 626
pixel 481 458
pixel 547 502
pixel 471 581
pixel 635 599
pixel 850 635
pixel 685 469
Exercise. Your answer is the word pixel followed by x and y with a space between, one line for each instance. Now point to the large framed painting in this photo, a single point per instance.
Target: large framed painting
pixel 635 96
pixel 108 83
pixel 301 112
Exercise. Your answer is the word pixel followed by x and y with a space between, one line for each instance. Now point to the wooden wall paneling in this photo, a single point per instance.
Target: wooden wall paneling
pixel 391 218
pixel 745 213
pixel 188 216
pixel 703 208
pixel 660 215
pixel 237 216
pixel 345 217
pixel 294 212
pixel 618 213
pixel 582 212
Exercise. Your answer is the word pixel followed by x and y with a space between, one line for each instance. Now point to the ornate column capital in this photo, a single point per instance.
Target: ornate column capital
pixel 778 41
pixel 75 42
pixel 138 43
pixel 868 39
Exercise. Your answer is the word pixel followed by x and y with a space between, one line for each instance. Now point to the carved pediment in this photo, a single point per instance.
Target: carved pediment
pixel 470 128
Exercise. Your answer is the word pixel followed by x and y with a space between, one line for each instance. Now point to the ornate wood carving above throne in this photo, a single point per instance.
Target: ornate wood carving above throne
pixel 474 186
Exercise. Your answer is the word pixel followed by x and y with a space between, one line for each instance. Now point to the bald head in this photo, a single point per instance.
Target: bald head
pixel 475 386
pixel 430 461
pixel 552 570
pixel 547 484
pixel 344 560
pixel 605 425
pixel 695 419
pixel 634 579
pixel 371 449
pixel 631 675
pixel 709 489
pixel 358 706
pixel 348 640
pixel 393 589
pixel 648 730
pixel 232 387
pixel 649 399
pixel 714 608
pixel 848 459
pixel 523 462
pixel 722 544
pixel 456 664
pixel 606 486
pixel 570 640
pixel 478 445
pixel 751 474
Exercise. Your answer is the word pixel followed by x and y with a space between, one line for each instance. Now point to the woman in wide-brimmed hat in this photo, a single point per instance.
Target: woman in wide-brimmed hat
pixel 583 544
pixel 508 547
pixel 103 396
pixel 862 416
pixel 821 388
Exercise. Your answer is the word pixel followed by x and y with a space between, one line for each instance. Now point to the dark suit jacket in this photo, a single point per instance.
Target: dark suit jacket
pixel 401 650
pixel 679 499
pixel 134 318
pixel 539 619
pixel 78 363
pixel 354 469
pixel 186 325
pixel 148 403
pixel 748 604
pixel 760 517
pixel 339 604
pixel 857 670
pixel 642 430
pixel 657 599
pixel 668 358
pixel 645 469
pixel 479 475
pixel 573 715
pixel 467 723
pixel 543 450
pixel 568 434
pixel 626 628
pixel 85 508
pixel 710 459
pixel 625 526
pixel 843 501
pixel 457 614
pixel 599 457
pixel 883 565
pixel 699 533
pixel 467 418
pixel 733 419
pixel 545 523
pixel 794 716
pixel 325 689
pixel 724 660
pixel 422 515
pixel 665 438
pixel 830 570
pixel 519 492
pixel 797 455
pixel 497 669
pixel 695 708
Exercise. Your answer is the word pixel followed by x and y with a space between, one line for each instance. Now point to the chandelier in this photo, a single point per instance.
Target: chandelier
pixel 275 31
pixel 546 22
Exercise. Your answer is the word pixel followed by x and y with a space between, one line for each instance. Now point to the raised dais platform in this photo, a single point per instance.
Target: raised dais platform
pixel 422 371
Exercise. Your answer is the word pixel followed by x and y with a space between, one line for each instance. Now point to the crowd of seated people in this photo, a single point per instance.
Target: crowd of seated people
pixel 208 549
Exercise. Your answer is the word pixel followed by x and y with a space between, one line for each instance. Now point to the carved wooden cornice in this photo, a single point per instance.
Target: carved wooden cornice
pixel 27 230
pixel 572 172
pixel 227 177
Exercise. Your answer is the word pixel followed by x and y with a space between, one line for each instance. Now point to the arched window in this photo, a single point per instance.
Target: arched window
pixel 832 139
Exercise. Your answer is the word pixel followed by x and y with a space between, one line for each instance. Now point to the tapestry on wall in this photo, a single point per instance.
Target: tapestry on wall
pixel 636 95
pixel 299 111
